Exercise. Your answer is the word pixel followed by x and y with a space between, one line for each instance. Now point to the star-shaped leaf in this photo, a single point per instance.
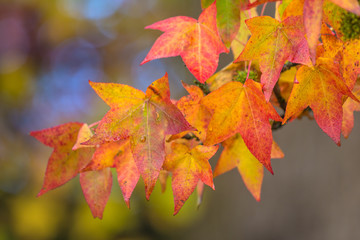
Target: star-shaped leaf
pixel 273 43
pixel 321 88
pixel 145 118
pixel 188 166
pixel 236 154
pixel 64 163
pixel 195 113
pixel 242 108
pixel 109 154
pixel 196 41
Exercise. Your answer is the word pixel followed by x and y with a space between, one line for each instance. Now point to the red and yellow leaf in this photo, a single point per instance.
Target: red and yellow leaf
pixel 64 163
pixel 195 113
pixel 236 154
pixel 196 41
pixel 127 172
pixel 273 43
pixel 188 166
pixel 145 118
pixel 242 108
pixel 228 19
pixel 349 107
pixel 96 186
pixel 313 10
pixel 321 88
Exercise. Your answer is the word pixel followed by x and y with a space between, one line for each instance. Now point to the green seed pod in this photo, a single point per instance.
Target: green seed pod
pixel 350 26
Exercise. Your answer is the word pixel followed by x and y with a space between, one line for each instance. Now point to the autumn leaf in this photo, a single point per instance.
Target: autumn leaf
pixel 228 19
pixel 312 22
pixel 321 88
pixel 127 172
pixel 332 15
pixel 109 154
pixel 196 114
pixel 349 107
pixel 243 34
pixel 188 166
pixel 196 41
pixel 145 118
pixel 312 11
pixel 96 186
pixel 64 163
pixel 346 53
pixel 236 154
pixel 245 4
pixel 241 108
pixel 273 43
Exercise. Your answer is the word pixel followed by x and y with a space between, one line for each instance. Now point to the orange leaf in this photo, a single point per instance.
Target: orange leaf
pixel 273 43
pixel 145 118
pixel 188 166
pixel 321 88
pixel 64 163
pixel 196 41
pixel 348 113
pixel 236 154
pixel 196 114
pixel 96 186
pixel 239 108
pixel 127 172
pixel 312 22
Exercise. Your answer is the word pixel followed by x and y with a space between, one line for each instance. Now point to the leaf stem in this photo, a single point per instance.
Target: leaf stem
pixel 263 9
pixel 94 124
pixel 248 72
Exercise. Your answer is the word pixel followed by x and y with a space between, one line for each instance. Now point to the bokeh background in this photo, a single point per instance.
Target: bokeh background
pixel 50 49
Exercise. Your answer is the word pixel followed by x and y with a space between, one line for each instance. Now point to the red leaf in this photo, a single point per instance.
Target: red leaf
pixel 188 166
pixel 96 186
pixel 64 163
pixel 239 108
pixel 196 41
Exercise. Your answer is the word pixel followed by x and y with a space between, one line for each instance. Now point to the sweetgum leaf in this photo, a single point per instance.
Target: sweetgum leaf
pixel 145 118
pixel 349 107
pixel 228 19
pixel 64 163
pixel 196 114
pixel 312 22
pixel 321 88
pixel 116 155
pixel 188 166
pixel 242 108
pixel 236 154
pixel 96 186
pixel 273 43
pixel 346 53
pixel 127 172
pixel 196 41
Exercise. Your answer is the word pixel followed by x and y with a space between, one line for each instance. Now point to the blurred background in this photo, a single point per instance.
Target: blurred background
pixel 48 52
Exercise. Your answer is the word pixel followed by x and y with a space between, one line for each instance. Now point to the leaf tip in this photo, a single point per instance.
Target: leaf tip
pixel 145 61
pixel 127 202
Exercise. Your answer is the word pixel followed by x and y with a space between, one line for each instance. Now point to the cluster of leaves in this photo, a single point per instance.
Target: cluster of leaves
pixel 304 65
